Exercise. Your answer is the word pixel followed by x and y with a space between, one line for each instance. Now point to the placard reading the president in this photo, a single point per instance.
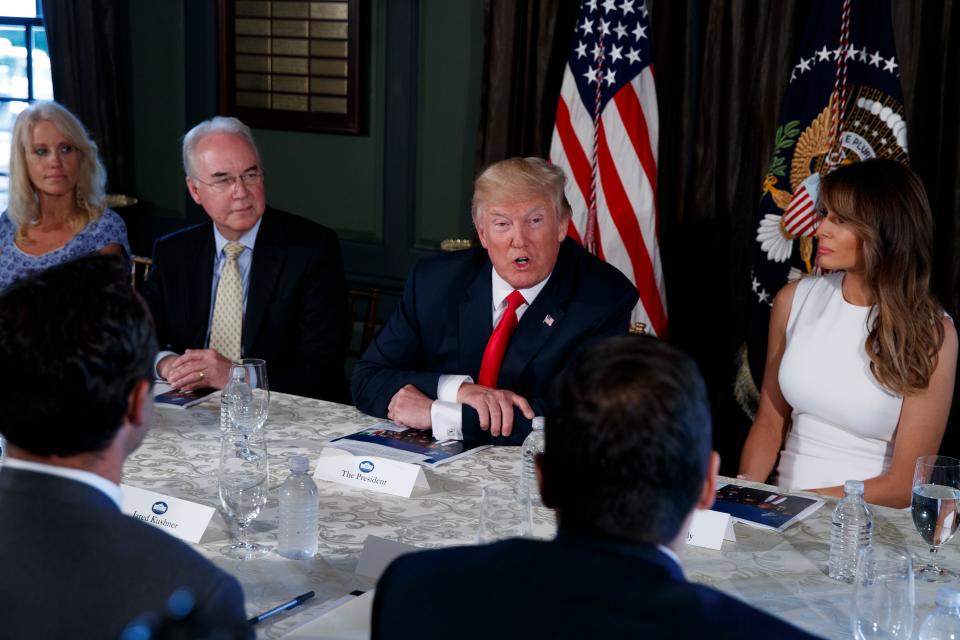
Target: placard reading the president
pixel 370 472
pixel 181 518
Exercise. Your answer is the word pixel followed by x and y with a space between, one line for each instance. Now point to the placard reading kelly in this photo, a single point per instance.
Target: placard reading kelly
pixel 709 529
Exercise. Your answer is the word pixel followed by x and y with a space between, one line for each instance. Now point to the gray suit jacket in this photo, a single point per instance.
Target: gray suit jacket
pixel 73 566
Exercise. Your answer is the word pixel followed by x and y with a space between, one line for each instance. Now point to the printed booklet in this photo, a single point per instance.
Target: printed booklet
pixel 763 508
pixel 387 440
pixel 166 396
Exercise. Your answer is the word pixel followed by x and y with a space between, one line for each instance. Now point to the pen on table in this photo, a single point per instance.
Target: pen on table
pixel 282 607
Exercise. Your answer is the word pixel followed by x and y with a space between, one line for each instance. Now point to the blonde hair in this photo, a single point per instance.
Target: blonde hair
pixel 520 179
pixel 24 204
pixel 885 204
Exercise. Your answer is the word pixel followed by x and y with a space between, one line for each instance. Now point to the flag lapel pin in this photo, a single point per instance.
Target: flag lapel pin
pixel 548 320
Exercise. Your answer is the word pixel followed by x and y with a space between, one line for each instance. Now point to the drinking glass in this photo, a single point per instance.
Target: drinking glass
pixel 243 487
pixel 248 413
pixel 504 513
pixel 883 594
pixel 936 489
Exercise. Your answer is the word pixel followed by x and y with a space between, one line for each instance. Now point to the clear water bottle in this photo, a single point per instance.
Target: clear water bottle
pixel 943 623
pixel 852 531
pixel 237 390
pixel 532 446
pixel 299 511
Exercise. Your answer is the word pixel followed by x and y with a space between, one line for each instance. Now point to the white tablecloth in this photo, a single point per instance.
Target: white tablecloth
pixel 784 574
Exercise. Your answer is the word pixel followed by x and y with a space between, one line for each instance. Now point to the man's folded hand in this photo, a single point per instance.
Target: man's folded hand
pixel 494 406
pixel 410 407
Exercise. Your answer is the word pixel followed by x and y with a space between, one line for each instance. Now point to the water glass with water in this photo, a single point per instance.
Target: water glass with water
pixel 248 410
pixel 243 476
pixel 936 490
pixel 504 513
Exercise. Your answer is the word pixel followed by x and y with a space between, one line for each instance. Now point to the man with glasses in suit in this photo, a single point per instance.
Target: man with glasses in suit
pixel 251 282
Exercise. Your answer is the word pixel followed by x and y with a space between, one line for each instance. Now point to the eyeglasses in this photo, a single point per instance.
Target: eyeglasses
pixel 227 183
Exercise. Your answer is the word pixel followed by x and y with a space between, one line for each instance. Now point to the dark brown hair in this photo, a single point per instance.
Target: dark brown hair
pixel 886 205
pixel 628 436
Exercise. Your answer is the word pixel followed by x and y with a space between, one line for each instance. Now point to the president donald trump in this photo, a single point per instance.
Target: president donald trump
pixel 479 334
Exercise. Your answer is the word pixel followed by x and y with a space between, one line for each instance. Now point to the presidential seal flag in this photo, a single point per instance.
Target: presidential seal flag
pixel 843 104
pixel 605 139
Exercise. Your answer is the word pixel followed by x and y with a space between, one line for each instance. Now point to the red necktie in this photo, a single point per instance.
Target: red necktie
pixel 497 345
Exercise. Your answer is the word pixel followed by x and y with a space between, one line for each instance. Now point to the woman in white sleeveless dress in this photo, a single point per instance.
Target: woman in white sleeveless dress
pixel 860 363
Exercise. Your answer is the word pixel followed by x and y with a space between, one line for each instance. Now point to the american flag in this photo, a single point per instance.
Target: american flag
pixel 611 159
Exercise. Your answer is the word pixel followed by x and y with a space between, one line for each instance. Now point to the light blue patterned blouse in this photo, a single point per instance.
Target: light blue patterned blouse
pixel 15 264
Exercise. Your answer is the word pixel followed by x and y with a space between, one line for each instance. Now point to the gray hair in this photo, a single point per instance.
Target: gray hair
pixel 217 124
pixel 24 205
pixel 520 179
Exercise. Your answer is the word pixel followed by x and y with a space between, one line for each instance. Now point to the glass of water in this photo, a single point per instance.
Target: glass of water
pixel 251 402
pixel 243 488
pixel 936 489
pixel 883 594
pixel 504 513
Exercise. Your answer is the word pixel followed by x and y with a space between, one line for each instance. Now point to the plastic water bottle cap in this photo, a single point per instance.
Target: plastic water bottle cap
pixel 853 487
pixel 948 597
pixel 299 464
pixel 538 423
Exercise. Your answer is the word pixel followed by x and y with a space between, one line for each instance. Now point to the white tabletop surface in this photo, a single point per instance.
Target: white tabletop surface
pixel 784 574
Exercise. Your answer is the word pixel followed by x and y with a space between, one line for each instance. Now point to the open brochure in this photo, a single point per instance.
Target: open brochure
pixel 763 508
pixel 387 440
pixel 165 395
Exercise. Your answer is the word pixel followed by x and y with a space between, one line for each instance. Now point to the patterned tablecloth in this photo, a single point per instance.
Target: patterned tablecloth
pixel 784 574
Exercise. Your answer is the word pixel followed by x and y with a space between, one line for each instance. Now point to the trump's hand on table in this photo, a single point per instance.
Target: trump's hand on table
pixel 410 407
pixel 495 407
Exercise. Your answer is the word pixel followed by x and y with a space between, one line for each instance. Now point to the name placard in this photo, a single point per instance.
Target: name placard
pixel 709 529
pixel 370 472
pixel 378 553
pixel 181 518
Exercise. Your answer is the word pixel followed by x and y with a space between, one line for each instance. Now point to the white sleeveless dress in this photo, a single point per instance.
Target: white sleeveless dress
pixel 843 421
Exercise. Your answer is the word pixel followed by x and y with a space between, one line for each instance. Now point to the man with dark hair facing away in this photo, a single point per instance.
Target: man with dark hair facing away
pixel 626 464
pixel 77 347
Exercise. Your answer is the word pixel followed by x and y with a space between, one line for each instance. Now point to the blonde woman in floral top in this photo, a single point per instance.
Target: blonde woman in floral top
pixel 57 209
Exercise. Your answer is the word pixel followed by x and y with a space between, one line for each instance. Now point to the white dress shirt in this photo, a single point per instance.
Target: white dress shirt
pixel 445 412
pixel 667 551
pixel 244 260
pixel 100 483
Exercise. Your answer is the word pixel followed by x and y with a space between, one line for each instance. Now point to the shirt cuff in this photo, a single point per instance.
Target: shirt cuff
pixel 156 363
pixel 447 420
pixel 448 386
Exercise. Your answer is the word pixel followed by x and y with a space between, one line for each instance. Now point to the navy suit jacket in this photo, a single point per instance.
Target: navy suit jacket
pixel 296 314
pixel 74 566
pixel 445 319
pixel 572 587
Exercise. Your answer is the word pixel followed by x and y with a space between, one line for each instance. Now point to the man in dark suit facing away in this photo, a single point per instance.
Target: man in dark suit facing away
pixel 252 282
pixel 77 347
pixel 479 334
pixel 626 464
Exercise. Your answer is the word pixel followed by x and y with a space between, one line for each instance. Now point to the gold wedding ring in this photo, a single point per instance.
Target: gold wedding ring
pixel 201 375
